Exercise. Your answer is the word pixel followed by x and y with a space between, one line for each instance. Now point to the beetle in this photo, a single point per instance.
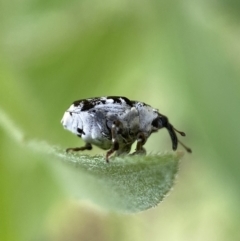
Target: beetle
pixel 114 123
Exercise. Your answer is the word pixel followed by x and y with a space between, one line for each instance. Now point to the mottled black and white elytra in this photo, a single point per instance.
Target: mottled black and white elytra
pixel 114 123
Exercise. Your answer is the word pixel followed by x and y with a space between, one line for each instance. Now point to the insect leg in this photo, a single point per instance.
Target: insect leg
pixel 87 146
pixel 141 140
pixel 115 145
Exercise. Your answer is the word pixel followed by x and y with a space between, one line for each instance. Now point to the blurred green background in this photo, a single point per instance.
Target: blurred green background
pixel 181 57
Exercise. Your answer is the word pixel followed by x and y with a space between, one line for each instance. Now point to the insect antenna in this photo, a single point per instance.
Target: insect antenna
pixel 180 132
pixel 183 134
pixel 186 148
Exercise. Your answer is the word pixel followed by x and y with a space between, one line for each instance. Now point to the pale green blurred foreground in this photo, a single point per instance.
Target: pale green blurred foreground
pixel 182 58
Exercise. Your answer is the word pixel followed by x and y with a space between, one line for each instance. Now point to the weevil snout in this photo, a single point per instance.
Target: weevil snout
pixel 172 132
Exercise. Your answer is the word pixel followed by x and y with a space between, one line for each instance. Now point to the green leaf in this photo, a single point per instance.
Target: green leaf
pixel 127 184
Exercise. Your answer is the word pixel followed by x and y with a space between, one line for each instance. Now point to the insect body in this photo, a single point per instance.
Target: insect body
pixel 114 123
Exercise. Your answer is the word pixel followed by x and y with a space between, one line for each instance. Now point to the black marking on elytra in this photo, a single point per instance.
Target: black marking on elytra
pixel 88 104
pixel 118 99
pixel 115 99
pixel 70 113
pixel 77 102
pixel 103 102
pixel 80 131
pixel 85 104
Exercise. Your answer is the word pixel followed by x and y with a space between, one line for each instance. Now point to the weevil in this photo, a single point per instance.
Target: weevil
pixel 114 123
